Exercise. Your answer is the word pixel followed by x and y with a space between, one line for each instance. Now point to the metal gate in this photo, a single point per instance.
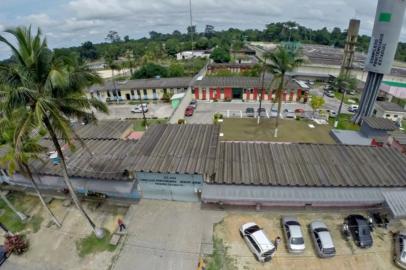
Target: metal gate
pixel 174 187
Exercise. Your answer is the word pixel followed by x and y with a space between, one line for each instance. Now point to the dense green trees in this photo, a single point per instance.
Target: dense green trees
pixel 167 45
pixel 220 55
pixel 150 70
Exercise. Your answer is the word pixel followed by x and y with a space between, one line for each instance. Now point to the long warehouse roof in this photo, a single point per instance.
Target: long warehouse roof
pixel 313 165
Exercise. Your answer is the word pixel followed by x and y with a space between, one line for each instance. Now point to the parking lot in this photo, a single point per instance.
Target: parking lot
pixel 205 110
pixel 348 256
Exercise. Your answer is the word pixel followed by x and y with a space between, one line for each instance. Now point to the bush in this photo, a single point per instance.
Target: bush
pixel 166 97
pixel 181 122
pixel 17 244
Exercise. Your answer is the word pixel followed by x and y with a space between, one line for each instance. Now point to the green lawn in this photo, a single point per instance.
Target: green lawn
pixel 289 131
pixel 23 204
pixel 138 124
pixel 347 97
pixel 91 244
pixel 345 122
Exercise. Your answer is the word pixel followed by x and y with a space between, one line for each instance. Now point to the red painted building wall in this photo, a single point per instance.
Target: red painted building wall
pixel 228 93
pixel 218 95
pixel 211 93
pixel 196 93
pixel 204 94
pixel 255 94
pixel 299 94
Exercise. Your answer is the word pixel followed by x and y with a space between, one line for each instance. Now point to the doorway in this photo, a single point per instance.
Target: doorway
pixel 237 93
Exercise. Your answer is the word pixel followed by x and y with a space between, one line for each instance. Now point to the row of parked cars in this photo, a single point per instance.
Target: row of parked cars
pixel 356 227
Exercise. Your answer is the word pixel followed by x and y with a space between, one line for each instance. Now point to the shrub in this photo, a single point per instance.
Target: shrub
pixel 17 244
pixel 166 97
pixel 181 122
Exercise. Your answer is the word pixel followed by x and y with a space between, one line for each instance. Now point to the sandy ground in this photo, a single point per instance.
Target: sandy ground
pixel 53 248
pixel 348 256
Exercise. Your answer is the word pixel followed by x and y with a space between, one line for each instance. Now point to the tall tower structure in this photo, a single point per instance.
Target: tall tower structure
pixel 349 50
pixel 382 49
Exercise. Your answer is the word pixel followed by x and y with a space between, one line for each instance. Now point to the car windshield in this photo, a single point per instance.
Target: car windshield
pixel 297 241
pixel 320 230
pixel 250 110
pixel 292 223
pixel 252 229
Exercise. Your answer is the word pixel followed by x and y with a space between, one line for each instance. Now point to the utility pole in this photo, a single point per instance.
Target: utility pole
pixel 262 91
pixel 143 113
pixel 341 106
pixel 191 31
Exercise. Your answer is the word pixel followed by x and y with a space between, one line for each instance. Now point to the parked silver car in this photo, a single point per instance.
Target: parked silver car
pixel 257 241
pixel 293 233
pixel 323 242
pixel 400 249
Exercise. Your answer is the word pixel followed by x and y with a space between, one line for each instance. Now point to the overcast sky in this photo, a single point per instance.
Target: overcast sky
pixel 71 22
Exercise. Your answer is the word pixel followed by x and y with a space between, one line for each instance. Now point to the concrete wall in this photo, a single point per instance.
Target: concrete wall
pixel 117 189
pixel 176 187
pixel 371 132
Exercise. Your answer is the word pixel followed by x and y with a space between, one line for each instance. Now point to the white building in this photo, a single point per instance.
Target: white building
pixel 390 111
pixel 186 55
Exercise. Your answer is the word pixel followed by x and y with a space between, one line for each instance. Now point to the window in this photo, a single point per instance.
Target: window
pixel 154 91
pixel 132 92
pixel 388 115
pixel 108 93
pixel 119 93
pixel 145 92
pixel 98 93
pixel 138 92
pixel 222 90
pixel 165 91
pixel 396 116
pixel 253 243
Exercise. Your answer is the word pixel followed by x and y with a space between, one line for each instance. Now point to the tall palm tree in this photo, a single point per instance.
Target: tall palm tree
pixel 282 61
pixel 18 158
pixel 52 88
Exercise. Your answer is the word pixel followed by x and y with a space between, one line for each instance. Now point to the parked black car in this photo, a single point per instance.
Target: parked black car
pixel 359 229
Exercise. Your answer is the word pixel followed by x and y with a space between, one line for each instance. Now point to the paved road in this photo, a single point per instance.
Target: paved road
pixel 166 235
pixel 160 110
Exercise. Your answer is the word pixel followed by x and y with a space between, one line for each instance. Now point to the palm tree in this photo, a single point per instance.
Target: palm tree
pixel 19 157
pixel 282 61
pixel 52 88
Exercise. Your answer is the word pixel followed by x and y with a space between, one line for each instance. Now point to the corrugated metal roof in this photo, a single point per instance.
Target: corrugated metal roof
pixel 399 136
pixel 109 160
pixel 189 149
pixel 293 195
pixel 396 201
pixel 379 123
pixel 104 130
pixel 312 165
pixel 178 82
pixel 389 106
pixel 242 82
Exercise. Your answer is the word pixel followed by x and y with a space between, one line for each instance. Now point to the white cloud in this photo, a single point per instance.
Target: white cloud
pixel 40 20
pixel 80 20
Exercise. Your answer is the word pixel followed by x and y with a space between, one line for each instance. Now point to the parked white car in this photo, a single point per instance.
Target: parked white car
pixel 140 108
pixel 293 233
pixel 400 249
pixel 257 241
pixel 323 242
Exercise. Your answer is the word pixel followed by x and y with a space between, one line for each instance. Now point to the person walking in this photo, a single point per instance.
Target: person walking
pixel 277 242
pixel 121 225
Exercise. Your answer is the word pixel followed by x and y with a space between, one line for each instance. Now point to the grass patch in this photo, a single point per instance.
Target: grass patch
pixel 339 96
pixel 239 129
pixel 91 244
pixel 35 223
pixel 23 204
pixel 219 259
pixel 138 124
pixel 345 123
